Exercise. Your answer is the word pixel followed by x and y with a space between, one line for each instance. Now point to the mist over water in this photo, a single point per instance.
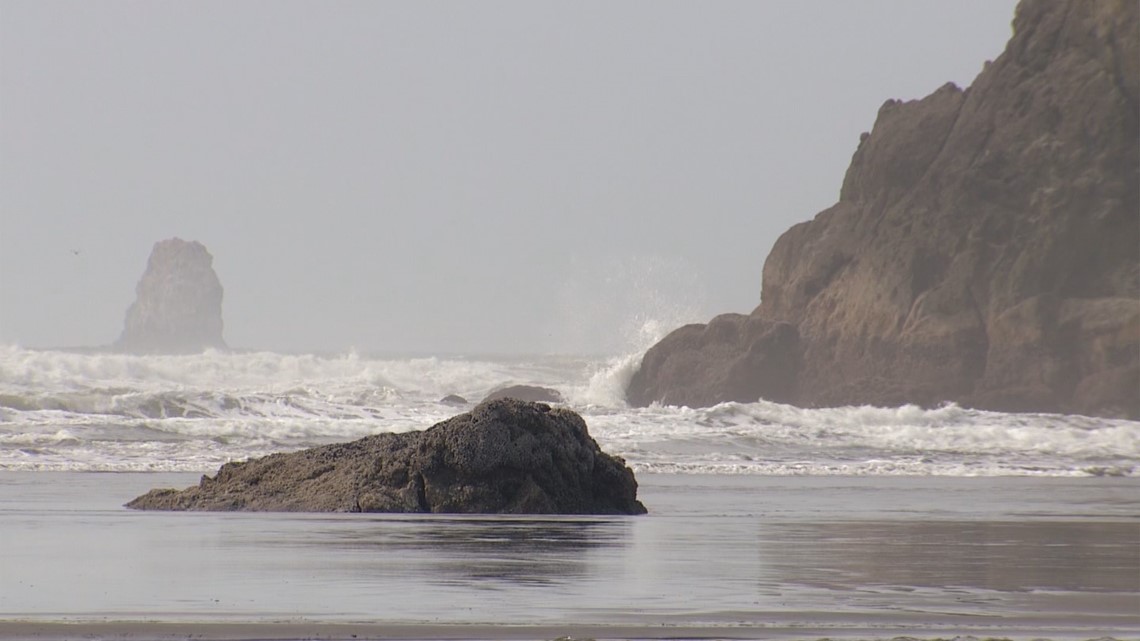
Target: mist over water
pixel 115 412
pixel 424 177
pixel 624 304
pixel 617 309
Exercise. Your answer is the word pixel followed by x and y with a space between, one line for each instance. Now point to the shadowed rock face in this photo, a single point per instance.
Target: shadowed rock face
pixel 502 457
pixel 178 304
pixel 985 248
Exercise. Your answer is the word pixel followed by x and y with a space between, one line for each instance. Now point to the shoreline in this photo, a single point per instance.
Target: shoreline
pixel 821 628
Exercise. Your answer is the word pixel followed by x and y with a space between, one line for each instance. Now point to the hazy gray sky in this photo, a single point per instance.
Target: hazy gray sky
pixel 439 176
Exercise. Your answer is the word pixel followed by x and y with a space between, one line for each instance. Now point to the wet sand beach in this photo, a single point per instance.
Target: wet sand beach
pixel 717 557
pixel 287 631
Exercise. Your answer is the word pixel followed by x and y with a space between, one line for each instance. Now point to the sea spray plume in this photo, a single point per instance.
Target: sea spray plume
pixel 178 308
pixel 618 308
pixel 606 386
pixel 605 306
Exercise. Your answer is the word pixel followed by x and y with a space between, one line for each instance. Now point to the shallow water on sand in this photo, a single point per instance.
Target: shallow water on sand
pixel 1030 557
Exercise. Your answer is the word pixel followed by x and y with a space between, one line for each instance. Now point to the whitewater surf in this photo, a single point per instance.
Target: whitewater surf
pixel 98 412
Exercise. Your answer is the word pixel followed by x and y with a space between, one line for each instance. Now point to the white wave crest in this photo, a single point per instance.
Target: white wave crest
pixel 62 410
pixel 31 373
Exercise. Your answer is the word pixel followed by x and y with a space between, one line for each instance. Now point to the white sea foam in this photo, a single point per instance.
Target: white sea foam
pixel 69 411
pixel 265 371
pixel 607 383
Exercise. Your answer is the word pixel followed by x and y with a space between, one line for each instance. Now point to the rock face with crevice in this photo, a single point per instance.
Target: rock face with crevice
pixel 178 304
pixel 985 248
pixel 502 457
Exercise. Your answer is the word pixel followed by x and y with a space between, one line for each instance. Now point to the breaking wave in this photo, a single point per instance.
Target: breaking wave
pixel 113 412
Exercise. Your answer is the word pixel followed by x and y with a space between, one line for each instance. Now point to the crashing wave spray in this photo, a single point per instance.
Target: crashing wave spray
pixel 618 308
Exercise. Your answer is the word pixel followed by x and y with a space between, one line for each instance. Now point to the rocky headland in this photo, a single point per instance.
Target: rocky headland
pixel 178 304
pixel 985 249
pixel 502 457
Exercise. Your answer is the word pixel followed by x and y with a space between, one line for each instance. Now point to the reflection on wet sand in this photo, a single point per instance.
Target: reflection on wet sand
pixel 1016 558
pixel 1008 556
pixel 458 550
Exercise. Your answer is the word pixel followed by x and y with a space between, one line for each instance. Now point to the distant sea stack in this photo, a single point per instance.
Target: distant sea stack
pixel 985 248
pixel 178 308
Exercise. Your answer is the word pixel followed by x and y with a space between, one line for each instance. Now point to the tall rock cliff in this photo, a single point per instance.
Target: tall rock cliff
pixel 985 248
pixel 178 308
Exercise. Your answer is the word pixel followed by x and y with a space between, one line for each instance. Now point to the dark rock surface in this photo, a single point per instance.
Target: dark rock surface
pixel 453 399
pixel 985 248
pixel 526 393
pixel 178 304
pixel 502 457
pixel 733 358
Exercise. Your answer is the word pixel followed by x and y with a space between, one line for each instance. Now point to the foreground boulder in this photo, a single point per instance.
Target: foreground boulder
pixel 502 457
pixel 178 304
pixel 985 248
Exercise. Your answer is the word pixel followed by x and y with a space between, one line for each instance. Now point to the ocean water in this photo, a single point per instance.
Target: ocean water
pixel 99 412
pixel 765 520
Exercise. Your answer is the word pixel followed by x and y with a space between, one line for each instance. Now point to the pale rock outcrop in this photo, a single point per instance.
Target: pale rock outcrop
pixel 178 304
